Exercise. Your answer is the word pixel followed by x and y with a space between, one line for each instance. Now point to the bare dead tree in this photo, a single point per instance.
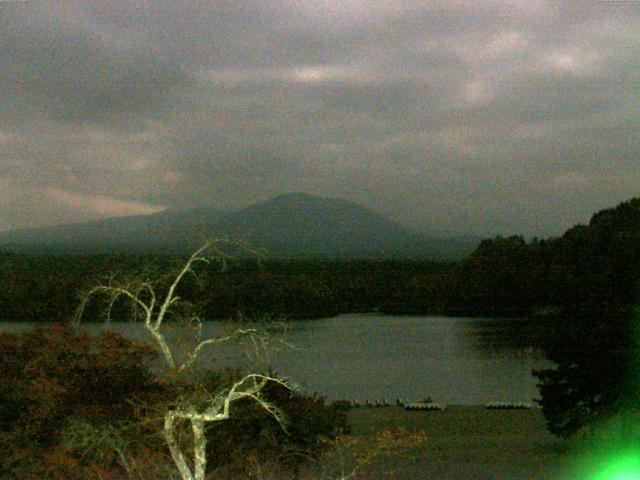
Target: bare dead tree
pixel 197 410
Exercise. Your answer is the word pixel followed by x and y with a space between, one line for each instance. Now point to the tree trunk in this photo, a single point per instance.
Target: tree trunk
pixel 199 449
pixel 176 453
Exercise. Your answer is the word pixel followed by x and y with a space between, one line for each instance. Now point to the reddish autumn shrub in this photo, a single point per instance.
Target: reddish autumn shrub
pixel 252 439
pixel 53 377
pixel 76 406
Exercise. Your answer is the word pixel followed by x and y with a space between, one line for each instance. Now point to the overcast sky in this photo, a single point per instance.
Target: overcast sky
pixel 475 116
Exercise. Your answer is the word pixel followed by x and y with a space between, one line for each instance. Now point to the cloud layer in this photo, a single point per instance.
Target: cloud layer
pixel 492 116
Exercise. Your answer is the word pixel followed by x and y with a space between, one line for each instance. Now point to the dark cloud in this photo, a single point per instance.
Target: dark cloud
pixel 492 116
pixel 72 73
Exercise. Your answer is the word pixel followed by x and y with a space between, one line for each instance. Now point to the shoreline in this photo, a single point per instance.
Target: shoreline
pixel 466 443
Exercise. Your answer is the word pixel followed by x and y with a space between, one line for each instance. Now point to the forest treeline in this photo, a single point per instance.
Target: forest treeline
pixel 504 276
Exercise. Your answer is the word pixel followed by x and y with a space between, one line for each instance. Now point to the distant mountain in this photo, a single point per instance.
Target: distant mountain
pixel 300 224
pixel 133 233
pixel 294 224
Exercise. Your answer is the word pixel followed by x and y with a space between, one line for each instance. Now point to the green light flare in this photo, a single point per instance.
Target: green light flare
pixel 607 464
pixel 625 467
pixel 611 452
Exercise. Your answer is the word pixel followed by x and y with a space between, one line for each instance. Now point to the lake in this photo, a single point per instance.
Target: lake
pixel 457 361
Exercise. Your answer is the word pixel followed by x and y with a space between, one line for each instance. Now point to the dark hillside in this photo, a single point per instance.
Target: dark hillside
pixel 596 263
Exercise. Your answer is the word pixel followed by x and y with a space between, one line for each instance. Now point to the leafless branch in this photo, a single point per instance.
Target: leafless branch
pixel 191 408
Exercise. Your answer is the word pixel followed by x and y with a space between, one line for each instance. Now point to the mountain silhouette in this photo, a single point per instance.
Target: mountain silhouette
pixel 292 225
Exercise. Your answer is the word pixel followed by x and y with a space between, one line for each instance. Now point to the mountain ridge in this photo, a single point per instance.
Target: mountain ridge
pixel 292 224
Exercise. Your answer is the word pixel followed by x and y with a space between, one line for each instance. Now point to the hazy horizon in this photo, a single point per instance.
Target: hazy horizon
pixel 416 228
pixel 456 118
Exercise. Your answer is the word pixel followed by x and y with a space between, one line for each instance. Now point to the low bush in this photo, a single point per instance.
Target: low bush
pixel 53 377
pixel 252 433
pixel 77 406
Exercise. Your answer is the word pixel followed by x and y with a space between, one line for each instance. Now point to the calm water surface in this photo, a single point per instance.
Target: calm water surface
pixel 359 357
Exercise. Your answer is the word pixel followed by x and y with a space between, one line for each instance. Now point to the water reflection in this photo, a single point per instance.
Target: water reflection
pixel 359 357
pixel 517 336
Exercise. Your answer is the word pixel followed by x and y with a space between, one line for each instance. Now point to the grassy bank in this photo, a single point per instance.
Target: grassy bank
pixel 466 443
